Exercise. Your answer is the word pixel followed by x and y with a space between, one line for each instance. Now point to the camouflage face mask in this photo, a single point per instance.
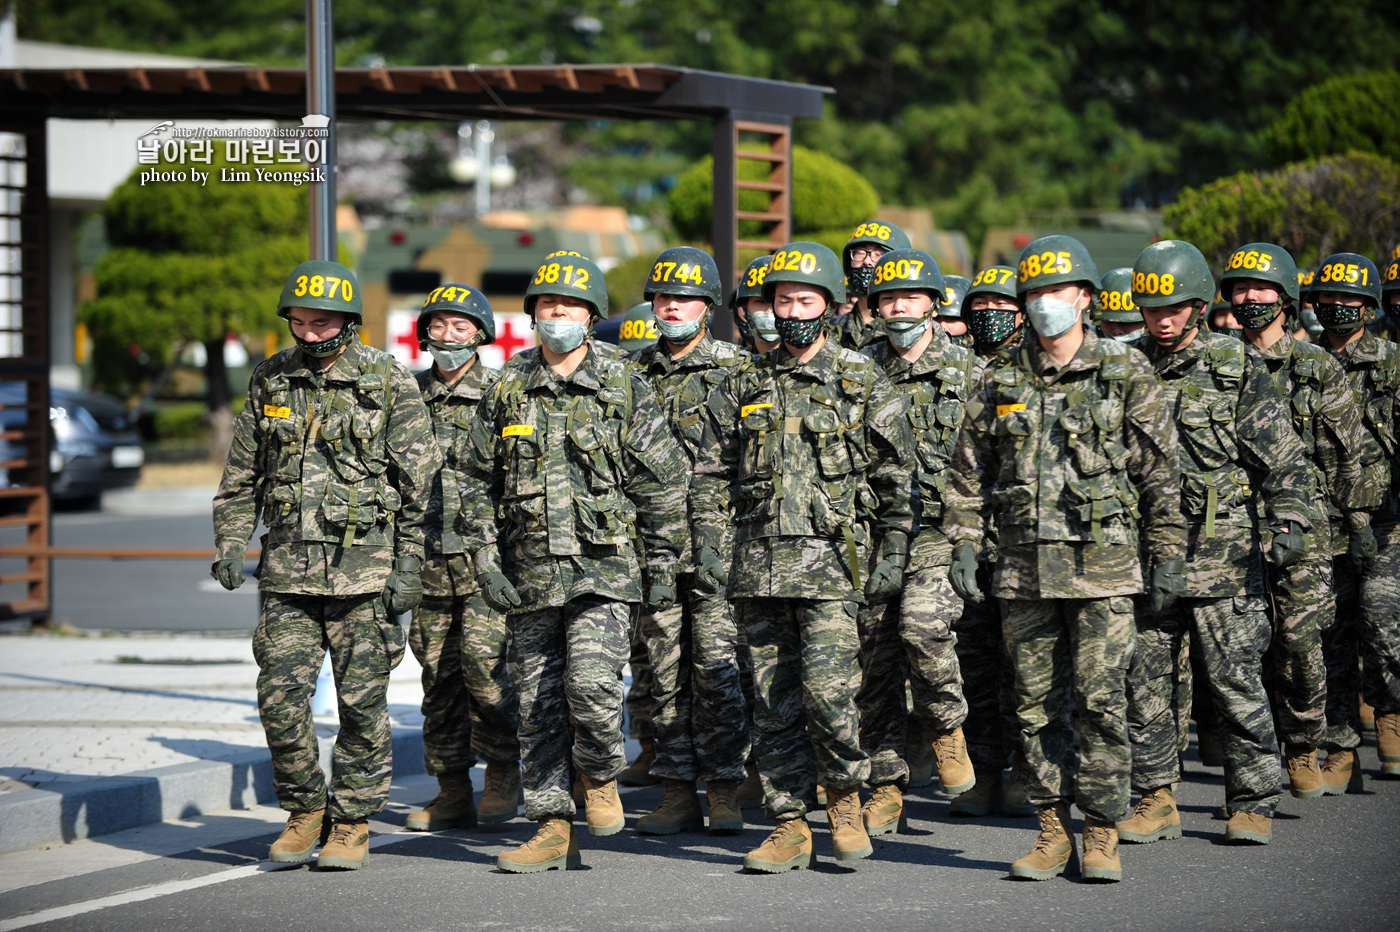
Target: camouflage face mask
pixel 859 283
pixel 992 327
pixel 800 333
pixel 1255 316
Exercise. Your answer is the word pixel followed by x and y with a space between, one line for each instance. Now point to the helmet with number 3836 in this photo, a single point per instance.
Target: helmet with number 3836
pixel 322 285
pixel 569 274
pixel 809 263
pixel 1055 260
pixel 685 270
pixel 870 233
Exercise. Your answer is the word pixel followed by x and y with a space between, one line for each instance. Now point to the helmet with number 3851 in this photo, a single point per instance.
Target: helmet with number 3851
pixel 1055 260
pixel 322 285
pixel 1346 273
pixel 569 274
pixel 685 270
pixel 809 263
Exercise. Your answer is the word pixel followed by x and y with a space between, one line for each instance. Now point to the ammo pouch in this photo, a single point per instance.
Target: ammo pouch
pixel 1214 494
pixel 356 507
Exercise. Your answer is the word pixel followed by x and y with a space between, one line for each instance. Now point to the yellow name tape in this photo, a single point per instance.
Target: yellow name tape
pixel 746 410
pixel 1004 410
pixel 274 411
pixel 519 430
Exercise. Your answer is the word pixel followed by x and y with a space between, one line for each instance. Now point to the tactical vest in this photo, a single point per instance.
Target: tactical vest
pixel 684 392
pixel 936 409
pixel 324 454
pixel 1375 381
pixel 452 416
pixel 1063 451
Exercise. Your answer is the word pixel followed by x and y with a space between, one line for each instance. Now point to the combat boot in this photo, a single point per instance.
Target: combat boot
pixel 1053 848
pixel 1368 716
pixel 985 796
pixel 751 790
pixel 848 838
pixel 1388 743
pixel 919 754
pixel 1249 828
pixel 679 811
pixel 789 848
pixel 1100 861
pixel 452 807
pixel 1154 818
pixel 500 796
pixel 883 814
pixel 638 773
pixel 821 795
pixel 1304 772
pixel 1209 749
pixel 554 847
pixel 299 838
pixel 602 806
pixel 347 849
pixel 722 801
pixel 1341 773
pixel 955 771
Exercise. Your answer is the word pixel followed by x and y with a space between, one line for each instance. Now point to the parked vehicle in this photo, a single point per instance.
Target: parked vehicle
pixel 93 442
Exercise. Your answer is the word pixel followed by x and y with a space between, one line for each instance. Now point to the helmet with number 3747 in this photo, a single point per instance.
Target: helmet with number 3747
pixel 569 274
pixel 808 263
pixel 1055 260
pixel 322 285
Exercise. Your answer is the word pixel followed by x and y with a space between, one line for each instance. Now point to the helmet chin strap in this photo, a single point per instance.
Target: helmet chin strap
pixel 1192 323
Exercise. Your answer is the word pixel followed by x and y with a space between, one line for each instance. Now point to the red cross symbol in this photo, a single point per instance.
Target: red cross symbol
pixel 508 341
pixel 410 340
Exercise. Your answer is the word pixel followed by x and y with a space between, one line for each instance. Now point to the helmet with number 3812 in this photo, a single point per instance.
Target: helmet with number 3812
pixel 569 274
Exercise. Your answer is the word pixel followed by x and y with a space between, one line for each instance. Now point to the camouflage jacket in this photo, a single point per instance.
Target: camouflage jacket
pixel 682 386
pixel 938 386
pixel 1372 366
pixel 1327 418
pixel 852 332
pixel 560 475
pixel 1237 447
pixel 338 464
pixel 802 458
pixel 1065 462
pixel 448 569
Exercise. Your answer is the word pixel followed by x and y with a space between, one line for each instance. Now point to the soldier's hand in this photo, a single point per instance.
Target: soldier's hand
pixel 404 590
pixel 1361 546
pixel 963 573
pixel 498 592
pixel 1168 583
pixel 660 597
pixel 710 574
pixel 229 573
pixel 887 579
pixel 1288 546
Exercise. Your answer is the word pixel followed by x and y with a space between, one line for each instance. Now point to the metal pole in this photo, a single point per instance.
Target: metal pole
pixel 320 98
pixel 724 223
pixel 485 135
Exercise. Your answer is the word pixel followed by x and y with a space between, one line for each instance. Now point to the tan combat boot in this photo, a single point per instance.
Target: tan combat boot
pixel 347 849
pixel 554 847
pixel 883 813
pixel 602 806
pixel 821 795
pixel 299 838
pixel 955 771
pixel 452 807
pixel 1341 773
pixel 1249 828
pixel 679 811
pixel 1053 848
pixel 918 744
pixel 751 790
pixel 500 795
pixel 789 848
pixel 1304 772
pixel 848 837
pixel 1388 743
pixel 1100 861
pixel 1154 818
pixel 1368 716
pixel 985 796
pixel 638 773
pixel 722 800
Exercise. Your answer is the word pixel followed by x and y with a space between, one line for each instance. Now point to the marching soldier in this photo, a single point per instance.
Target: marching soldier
pixel 753 315
pixel 1119 318
pixel 950 312
pixel 858 328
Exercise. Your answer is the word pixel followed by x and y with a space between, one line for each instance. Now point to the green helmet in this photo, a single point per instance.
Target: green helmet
pixel 994 279
pixel 751 282
pixel 908 270
pixel 1305 281
pixel 685 270
pixel 458 299
pixel 638 328
pixel 1054 260
pixel 1390 283
pixel 570 274
pixel 992 327
pixel 809 263
pixel 1263 262
pixel 1172 272
pixel 1346 273
pixel 956 288
pixel 322 285
pixel 1115 301
pixel 870 233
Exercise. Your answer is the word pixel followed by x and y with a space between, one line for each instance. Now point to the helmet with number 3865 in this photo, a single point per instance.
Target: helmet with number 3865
pixel 569 274
pixel 1263 262
pixel 809 263
pixel 1055 260
pixel 322 285
pixel 685 270
pixel 870 233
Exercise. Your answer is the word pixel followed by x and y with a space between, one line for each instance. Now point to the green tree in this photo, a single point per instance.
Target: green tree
pixel 1348 113
pixel 192 262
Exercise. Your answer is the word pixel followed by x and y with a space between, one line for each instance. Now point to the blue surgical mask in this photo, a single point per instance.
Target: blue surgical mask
pixel 562 336
pixel 1051 317
pixel 906 331
pixel 451 356
pixel 765 325
pixel 678 331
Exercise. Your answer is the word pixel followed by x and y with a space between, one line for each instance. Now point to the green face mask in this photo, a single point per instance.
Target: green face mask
pixel 327 347
pixel 800 333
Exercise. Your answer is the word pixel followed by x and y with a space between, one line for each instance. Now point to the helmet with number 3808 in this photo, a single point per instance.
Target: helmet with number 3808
pixel 908 270
pixel 685 270
pixel 809 263
pixel 870 233
pixel 1055 260
pixel 322 285
pixel 569 274
pixel 1172 272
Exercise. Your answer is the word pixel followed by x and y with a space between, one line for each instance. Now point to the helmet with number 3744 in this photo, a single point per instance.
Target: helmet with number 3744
pixel 322 285
pixel 569 274
pixel 1055 260
pixel 687 271
pixel 809 263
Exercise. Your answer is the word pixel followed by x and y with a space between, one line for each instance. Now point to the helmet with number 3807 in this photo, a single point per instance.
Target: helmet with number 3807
pixel 809 263
pixel 1055 260
pixel 569 274
pixel 908 270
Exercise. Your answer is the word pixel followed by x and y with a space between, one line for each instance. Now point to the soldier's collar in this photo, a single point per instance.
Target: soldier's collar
pixel 586 375
pixel 1366 349
pixel 698 358
pixel 1086 357
pixel 821 367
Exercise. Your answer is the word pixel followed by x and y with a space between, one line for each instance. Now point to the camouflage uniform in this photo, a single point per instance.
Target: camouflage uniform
pixel 913 633
pixel 1236 440
pixel 802 458
pixel 339 465
pixel 469 702
pixel 1063 460
pixel 698 709
pixel 852 332
pixel 559 477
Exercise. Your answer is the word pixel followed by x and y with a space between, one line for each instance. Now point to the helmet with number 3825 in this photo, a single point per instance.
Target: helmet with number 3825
pixel 870 233
pixel 685 270
pixel 809 263
pixel 569 274
pixel 322 285
pixel 1055 260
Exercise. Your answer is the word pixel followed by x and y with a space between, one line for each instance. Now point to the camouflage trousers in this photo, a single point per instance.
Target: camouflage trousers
pixel 365 644
pixel 1295 675
pixel 567 662
pixel 1232 635
pixel 699 719
pixel 986 685
pixel 639 724
pixel 1088 643
pixel 1362 645
pixel 806 674
pixel 469 702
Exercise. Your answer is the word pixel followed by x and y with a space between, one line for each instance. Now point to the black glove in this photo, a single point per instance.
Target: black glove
pixel 887 579
pixel 710 574
pixel 963 573
pixel 498 592
pixel 661 598
pixel 404 589
pixel 1362 546
pixel 1168 583
pixel 1288 546
pixel 229 573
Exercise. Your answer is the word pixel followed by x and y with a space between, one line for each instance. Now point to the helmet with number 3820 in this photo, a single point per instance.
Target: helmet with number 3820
pixel 685 270
pixel 569 274
pixel 870 233
pixel 322 285
pixel 1055 260
pixel 809 263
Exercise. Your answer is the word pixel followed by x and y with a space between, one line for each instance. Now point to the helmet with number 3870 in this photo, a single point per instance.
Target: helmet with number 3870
pixel 569 274
pixel 886 236
pixel 809 263
pixel 685 270
pixel 1055 260
pixel 322 285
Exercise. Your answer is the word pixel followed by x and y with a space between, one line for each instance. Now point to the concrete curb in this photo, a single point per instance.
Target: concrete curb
pixel 101 805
